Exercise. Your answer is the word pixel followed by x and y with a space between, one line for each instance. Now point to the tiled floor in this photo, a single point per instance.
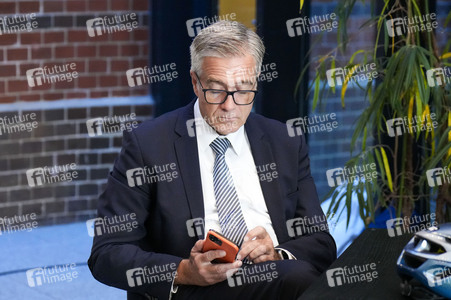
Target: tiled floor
pixel 47 247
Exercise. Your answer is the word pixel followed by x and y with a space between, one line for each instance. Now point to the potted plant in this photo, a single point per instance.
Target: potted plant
pixel 408 112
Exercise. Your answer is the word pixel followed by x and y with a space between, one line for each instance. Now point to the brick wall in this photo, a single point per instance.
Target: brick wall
pixel 61 110
pixel 61 37
pixel 61 138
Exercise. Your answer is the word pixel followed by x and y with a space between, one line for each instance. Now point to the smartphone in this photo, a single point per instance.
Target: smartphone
pixel 216 241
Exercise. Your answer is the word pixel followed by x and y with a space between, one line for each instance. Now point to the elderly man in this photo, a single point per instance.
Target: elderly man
pixel 215 150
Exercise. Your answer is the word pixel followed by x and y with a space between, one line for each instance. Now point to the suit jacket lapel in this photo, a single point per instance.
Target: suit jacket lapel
pixel 188 162
pixel 262 153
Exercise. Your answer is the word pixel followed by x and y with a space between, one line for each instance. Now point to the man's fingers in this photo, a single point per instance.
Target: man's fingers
pixel 198 246
pixel 213 254
pixel 259 251
pixel 258 232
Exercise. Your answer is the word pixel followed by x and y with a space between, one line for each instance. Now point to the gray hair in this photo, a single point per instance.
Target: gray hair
pixel 225 39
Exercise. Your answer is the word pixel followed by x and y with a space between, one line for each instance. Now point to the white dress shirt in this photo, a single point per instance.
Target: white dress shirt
pixel 241 164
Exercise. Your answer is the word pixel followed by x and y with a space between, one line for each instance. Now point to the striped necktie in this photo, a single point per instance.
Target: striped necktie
pixel 231 218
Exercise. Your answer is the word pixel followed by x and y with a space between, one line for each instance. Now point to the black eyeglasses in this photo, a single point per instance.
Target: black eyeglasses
pixel 214 96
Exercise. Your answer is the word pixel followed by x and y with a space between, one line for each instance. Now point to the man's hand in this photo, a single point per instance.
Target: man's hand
pixel 258 246
pixel 198 269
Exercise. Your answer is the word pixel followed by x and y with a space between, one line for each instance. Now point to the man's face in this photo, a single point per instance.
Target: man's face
pixel 231 74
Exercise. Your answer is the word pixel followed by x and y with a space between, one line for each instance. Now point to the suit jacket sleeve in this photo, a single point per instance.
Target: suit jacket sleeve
pixel 113 254
pixel 315 245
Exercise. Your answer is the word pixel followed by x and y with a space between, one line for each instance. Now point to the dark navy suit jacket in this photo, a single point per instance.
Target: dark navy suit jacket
pixel 162 208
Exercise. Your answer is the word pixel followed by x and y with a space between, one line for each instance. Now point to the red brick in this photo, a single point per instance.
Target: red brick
pixel 121 93
pixel 2 87
pixel 31 97
pixel 8 39
pixel 98 94
pixel 80 66
pixel 121 36
pixel 87 82
pixel 64 52
pixel 54 6
pixel 77 36
pixel 97 66
pixel 8 7
pixel 17 54
pixel 8 99
pixel 141 5
pixel 65 84
pixel 139 63
pixel 108 81
pixel 103 37
pixel 78 5
pixel 8 71
pixel 140 92
pixel 129 50
pixel 98 5
pixel 54 37
pixel 24 67
pixel 123 80
pixel 1 55
pixel 53 96
pixel 27 38
pixel 86 51
pixel 140 34
pixel 120 5
pixel 17 86
pixel 119 65
pixel 74 95
pixel 41 53
pixel 29 7
pixel 108 50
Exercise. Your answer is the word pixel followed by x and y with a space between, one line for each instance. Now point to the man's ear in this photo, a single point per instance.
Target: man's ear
pixel 195 83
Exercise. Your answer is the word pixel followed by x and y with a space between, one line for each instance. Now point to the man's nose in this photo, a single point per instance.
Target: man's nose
pixel 228 104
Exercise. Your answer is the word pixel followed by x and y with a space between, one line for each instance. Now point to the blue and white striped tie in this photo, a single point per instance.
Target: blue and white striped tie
pixel 231 218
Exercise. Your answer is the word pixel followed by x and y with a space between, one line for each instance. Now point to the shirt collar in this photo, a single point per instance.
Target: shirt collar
pixel 206 134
